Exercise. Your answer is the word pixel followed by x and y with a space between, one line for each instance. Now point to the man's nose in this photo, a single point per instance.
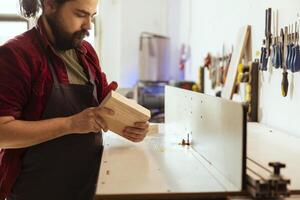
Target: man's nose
pixel 87 25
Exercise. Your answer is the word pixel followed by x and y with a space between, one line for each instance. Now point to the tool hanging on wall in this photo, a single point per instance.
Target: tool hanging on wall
pixel 268 30
pixel 280 54
pixel 218 67
pixel 263 57
pixel 292 50
pixel 274 46
pixel 268 34
pixel 284 82
pixel 266 48
pixel 247 81
pixel 296 58
pixel 278 46
pixel 289 48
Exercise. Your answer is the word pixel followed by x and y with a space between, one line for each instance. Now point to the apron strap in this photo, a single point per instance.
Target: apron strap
pixel 92 81
pixel 39 37
pixel 54 76
pixel 92 78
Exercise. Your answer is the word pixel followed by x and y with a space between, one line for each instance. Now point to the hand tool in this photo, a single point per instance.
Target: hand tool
pixel 289 49
pixel 265 49
pixel 263 57
pixel 278 46
pixel 284 82
pixel 293 50
pixel 279 55
pixel 296 61
pixel 274 48
pixel 268 33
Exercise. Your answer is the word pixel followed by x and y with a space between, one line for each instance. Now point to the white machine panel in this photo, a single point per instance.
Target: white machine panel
pixel 217 128
pixel 159 165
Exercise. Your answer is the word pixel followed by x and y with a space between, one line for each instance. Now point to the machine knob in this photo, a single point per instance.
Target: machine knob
pixel 277 166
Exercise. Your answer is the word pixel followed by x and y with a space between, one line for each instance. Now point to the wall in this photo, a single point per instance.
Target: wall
pixel 206 26
pixel 122 23
pixel 109 37
pixel 209 24
pixel 139 16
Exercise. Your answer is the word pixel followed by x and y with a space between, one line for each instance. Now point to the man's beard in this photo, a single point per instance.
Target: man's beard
pixel 63 40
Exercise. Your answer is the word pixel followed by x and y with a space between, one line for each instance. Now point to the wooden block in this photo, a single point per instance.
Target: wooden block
pixel 127 112
pixel 153 129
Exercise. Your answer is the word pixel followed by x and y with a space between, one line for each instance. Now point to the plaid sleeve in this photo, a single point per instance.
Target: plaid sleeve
pixel 15 82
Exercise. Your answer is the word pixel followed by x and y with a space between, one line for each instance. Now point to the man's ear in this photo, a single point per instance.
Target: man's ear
pixel 49 6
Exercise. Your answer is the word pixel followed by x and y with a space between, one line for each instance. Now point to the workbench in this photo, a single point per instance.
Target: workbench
pixel 161 167
pixel 156 167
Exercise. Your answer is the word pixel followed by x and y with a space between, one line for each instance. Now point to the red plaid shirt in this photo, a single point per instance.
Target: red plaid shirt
pixel 26 83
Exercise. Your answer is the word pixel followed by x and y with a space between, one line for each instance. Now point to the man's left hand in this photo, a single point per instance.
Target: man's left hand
pixel 137 133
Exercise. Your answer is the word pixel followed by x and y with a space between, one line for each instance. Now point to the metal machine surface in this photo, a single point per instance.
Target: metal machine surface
pixel 154 57
pixel 163 167
pixel 211 164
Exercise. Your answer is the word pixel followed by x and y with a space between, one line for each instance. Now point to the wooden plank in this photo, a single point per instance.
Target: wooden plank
pixel 153 129
pixel 238 53
pixel 266 144
pixel 127 112
pixel 217 128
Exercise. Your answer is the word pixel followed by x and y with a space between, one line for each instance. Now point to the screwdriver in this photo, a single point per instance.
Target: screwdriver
pixel 285 81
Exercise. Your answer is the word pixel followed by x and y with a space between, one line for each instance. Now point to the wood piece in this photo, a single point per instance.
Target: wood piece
pixel 127 112
pixel 153 129
pixel 242 46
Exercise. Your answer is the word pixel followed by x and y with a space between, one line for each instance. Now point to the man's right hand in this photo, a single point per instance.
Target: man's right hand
pixel 21 134
pixel 90 120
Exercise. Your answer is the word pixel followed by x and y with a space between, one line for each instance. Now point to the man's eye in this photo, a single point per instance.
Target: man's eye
pixel 80 15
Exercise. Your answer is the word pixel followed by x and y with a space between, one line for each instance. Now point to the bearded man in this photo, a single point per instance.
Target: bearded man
pixel 51 126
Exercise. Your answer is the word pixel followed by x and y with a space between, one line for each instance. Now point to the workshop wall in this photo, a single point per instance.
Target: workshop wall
pixel 122 23
pixel 109 29
pixel 205 26
pixel 139 16
pixel 208 24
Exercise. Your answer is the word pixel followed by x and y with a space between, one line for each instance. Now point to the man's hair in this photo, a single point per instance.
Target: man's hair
pixel 30 8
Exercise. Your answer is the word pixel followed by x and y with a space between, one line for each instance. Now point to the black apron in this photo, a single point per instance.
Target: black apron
pixel 65 168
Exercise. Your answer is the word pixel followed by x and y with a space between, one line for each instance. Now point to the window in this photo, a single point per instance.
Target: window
pixel 10 20
pixel 15 28
pixel 11 7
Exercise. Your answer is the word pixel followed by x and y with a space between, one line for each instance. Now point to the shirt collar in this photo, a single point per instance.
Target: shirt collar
pixel 42 31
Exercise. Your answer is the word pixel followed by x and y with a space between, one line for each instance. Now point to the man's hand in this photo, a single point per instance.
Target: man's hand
pixel 16 134
pixel 136 133
pixel 90 120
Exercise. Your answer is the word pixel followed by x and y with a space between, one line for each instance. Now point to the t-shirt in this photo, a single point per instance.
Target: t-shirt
pixel 76 74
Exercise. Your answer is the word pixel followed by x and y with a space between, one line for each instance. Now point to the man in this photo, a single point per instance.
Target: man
pixel 50 86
